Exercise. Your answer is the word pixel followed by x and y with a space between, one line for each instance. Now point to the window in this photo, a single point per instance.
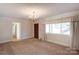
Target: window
pixel 47 28
pixel 56 28
pixel 65 28
pixel 59 28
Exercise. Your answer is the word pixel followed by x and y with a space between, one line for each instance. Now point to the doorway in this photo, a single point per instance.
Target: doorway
pixel 15 31
pixel 36 30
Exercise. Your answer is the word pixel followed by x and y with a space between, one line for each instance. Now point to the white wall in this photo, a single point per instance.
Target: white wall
pixel 59 39
pixel 6 28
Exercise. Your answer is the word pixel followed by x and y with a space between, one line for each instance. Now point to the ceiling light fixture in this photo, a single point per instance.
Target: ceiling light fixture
pixel 34 16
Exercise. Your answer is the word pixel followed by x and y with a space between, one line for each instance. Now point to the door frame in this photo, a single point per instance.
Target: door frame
pixel 36 30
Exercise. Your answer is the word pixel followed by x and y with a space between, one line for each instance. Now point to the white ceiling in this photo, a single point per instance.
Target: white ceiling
pixel 25 10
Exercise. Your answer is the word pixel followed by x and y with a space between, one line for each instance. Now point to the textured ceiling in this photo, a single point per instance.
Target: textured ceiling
pixel 25 10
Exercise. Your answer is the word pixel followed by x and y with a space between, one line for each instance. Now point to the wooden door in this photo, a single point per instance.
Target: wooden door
pixel 36 30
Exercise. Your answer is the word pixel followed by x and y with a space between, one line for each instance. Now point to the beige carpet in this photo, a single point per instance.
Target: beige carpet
pixel 34 47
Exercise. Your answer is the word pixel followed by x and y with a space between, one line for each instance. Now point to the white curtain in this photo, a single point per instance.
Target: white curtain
pixel 74 42
pixel 75 33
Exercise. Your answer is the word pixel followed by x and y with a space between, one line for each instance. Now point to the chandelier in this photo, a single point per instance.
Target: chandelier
pixel 34 16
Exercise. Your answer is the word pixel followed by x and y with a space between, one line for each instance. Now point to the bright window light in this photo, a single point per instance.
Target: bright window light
pixel 65 28
pixel 47 28
pixel 58 28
